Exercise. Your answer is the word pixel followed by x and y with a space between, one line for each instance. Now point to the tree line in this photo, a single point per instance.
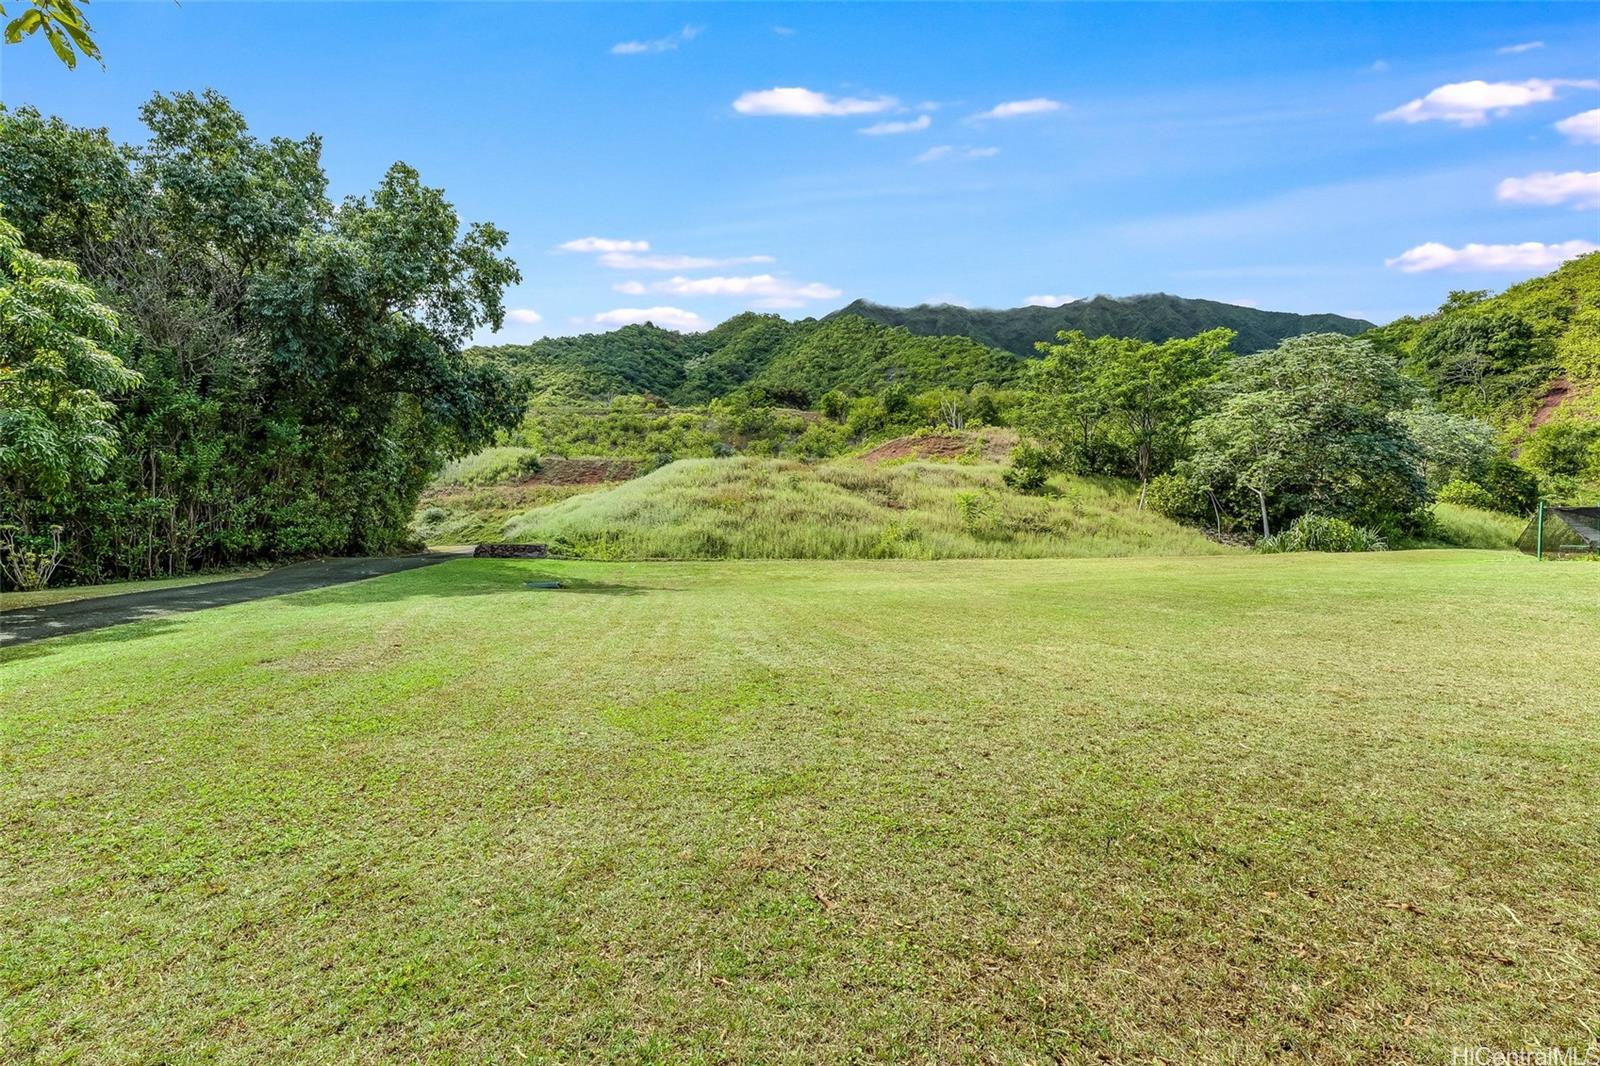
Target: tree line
pixel 208 360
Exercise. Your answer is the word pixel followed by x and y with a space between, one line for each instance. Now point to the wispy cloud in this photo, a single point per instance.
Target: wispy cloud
pixel 669 43
pixel 526 316
pixel 1038 105
pixel 784 31
pixel 952 152
pixel 880 129
pixel 1582 128
pixel 805 103
pixel 1518 49
pixel 1050 301
pixel 603 244
pixel 1579 188
pixel 667 317
pixel 762 290
pixel 634 261
pixel 1470 103
pixel 1528 256
pixel 629 288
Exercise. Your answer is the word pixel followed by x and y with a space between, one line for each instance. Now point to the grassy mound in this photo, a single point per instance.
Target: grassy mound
pixel 746 508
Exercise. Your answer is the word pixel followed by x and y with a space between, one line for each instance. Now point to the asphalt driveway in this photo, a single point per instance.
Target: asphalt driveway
pixel 28 624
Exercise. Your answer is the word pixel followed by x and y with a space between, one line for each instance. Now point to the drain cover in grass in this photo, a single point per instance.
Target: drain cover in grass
pixel 542 585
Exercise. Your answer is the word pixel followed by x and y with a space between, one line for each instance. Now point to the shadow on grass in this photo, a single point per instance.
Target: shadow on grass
pixel 482 577
pixel 116 633
pixel 343 583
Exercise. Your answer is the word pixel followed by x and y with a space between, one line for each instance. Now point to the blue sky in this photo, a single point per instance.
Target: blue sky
pixel 1230 152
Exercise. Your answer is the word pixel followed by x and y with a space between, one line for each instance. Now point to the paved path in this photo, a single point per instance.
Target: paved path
pixel 28 624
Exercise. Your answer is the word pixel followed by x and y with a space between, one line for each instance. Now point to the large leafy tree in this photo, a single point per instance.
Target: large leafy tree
pixel 1309 427
pixel 308 351
pixel 1152 392
pixel 57 375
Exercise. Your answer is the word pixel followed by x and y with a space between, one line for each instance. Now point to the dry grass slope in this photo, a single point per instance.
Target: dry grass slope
pixel 747 508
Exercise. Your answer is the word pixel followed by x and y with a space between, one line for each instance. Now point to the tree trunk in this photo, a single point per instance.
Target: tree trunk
pixel 1266 530
pixel 1215 510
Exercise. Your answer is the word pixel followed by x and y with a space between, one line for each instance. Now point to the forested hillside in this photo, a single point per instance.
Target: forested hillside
pixel 1156 317
pixel 1503 356
pixel 792 363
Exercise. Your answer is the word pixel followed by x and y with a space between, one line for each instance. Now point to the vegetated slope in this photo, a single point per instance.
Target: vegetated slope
pixel 856 355
pixel 1519 358
pixel 1155 317
pixel 749 508
pixel 790 362
pixel 865 345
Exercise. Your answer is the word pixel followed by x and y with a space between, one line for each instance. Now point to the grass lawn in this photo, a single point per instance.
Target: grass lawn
pixel 1238 808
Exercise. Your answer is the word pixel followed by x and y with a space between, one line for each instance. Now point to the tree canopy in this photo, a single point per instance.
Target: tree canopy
pixel 1307 428
pixel 302 360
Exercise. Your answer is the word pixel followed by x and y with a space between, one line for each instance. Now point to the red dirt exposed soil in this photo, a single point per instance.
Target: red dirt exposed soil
pixel 919 448
pixel 1557 395
pixel 993 445
pixel 554 470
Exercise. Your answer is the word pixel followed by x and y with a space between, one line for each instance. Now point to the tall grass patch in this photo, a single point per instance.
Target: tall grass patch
pixel 748 508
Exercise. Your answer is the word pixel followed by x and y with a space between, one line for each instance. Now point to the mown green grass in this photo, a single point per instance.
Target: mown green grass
pixel 1292 808
pixel 748 508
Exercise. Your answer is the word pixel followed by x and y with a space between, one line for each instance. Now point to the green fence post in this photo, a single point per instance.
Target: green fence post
pixel 1538 537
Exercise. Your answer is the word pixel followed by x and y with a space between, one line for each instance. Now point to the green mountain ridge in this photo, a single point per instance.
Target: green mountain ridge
pixel 862 346
pixel 1151 317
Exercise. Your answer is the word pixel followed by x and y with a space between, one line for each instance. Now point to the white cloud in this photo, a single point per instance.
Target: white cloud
pixel 1378 66
pixel 1470 103
pixel 879 129
pixel 630 261
pixel 604 244
pixel 1530 255
pixel 764 290
pixel 1049 301
pixel 950 151
pixel 667 317
pixel 1038 105
pixel 629 288
pixel 1582 128
pixel 1575 186
pixel 526 316
pixel 805 103
pixel 1518 49
pixel 661 44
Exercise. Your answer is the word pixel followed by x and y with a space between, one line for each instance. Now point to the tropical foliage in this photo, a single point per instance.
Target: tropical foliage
pixel 63 24
pixel 302 365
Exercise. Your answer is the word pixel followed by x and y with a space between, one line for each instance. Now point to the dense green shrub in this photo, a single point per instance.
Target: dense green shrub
pixel 1513 488
pixel 1320 533
pixel 1566 448
pixel 1029 469
pixel 1179 498
pixel 1466 494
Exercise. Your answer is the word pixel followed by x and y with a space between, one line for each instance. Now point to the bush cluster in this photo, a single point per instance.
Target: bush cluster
pixel 1321 533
